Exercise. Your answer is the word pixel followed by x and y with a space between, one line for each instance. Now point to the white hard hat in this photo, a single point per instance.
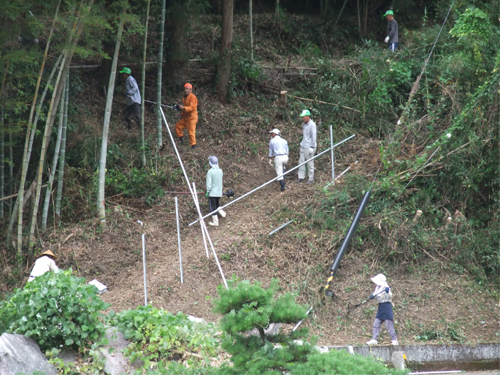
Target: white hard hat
pixel 275 131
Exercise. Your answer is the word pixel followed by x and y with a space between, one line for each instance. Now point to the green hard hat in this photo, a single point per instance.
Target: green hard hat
pixel 389 12
pixel 126 70
pixel 305 112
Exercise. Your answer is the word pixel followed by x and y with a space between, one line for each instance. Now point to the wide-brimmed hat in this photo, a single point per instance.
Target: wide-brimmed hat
pixel 275 131
pixel 388 13
pixel 379 279
pixel 305 112
pixel 126 71
pixel 49 253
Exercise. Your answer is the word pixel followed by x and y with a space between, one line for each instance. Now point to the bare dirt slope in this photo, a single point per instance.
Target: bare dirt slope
pixel 430 303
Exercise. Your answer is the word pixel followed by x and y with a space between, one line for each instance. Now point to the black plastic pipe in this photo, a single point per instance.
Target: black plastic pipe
pixel 350 232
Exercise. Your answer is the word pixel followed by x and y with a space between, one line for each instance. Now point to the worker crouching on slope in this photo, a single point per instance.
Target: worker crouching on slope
pixel 189 116
pixel 44 263
pixel 214 189
pixel 278 148
pixel 383 294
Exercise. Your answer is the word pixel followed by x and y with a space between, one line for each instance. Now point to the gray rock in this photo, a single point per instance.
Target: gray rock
pixel 115 362
pixel 19 354
pixel 398 360
pixel 67 356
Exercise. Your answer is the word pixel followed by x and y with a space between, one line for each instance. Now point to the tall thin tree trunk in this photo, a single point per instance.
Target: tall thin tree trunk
pixel 48 192
pixel 250 18
pixel 56 97
pixel 62 155
pixel 359 19
pixel 107 116
pixel 28 131
pixel 340 14
pixel 143 86
pixel 159 123
pixel 276 10
pixel 30 136
pixel 2 157
pixel 225 51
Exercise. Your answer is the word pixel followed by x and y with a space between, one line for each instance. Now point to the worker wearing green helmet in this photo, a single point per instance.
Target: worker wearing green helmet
pixel 392 37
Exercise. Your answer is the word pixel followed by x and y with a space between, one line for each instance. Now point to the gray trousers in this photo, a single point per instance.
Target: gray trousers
pixel 305 154
pixel 389 324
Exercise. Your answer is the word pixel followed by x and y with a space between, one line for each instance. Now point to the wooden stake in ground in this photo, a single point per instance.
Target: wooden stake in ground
pixel 107 117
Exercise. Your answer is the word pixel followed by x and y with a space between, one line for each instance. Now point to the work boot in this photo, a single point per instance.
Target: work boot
pixel 282 183
pixel 300 180
pixel 222 213
pixel 372 342
pixel 310 181
pixel 129 125
pixel 181 139
pixel 215 221
pixel 394 342
pixel 193 146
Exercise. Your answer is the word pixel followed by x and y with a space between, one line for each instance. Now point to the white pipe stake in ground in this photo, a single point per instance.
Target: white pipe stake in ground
pixel 144 264
pixel 275 178
pixel 204 228
pixel 185 174
pixel 277 229
pixel 299 323
pixel 179 237
pixel 333 157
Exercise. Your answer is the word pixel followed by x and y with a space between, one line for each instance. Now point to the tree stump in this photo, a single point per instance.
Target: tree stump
pixel 282 99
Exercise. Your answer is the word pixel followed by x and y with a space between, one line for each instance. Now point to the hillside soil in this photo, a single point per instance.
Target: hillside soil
pixel 430 302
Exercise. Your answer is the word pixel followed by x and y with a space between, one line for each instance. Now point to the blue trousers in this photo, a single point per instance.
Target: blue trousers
pixel 393 46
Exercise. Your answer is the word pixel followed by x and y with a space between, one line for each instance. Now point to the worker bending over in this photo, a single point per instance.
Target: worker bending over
pixel 44 263
pixel 189 116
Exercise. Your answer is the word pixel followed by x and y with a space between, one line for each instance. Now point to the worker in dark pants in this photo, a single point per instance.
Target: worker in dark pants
pixel 214 189
pixel 133 110
pixel 392 37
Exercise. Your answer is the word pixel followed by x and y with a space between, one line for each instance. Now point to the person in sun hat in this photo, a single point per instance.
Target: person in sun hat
pixel 307 146
pixel 214 189
pixel 383 295
pixel 278 149
pixel 189 116
pixel 133 110
pixel 392 37
pixel 44 263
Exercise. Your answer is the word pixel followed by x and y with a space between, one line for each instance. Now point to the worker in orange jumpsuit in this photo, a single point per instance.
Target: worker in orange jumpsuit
pixel 189 116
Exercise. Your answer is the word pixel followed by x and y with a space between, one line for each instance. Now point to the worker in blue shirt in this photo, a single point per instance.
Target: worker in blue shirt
pixel 133 95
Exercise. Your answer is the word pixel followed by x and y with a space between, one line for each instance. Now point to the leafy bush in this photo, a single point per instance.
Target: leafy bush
pixel 55 309
pixel 159 337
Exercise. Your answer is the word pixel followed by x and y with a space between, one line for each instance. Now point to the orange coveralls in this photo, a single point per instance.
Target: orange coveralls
pixel 189 118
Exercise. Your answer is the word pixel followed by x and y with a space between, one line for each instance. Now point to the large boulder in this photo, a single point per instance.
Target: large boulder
pixel 115 362
pixel 19 354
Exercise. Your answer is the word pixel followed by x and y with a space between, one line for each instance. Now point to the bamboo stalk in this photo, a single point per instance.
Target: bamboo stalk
pixel 48 192
pixel 56 96
pixel 250 18
pixel 2 157
pixel 62 155
pixel 107 117
pixel 159 125
pixel 143 86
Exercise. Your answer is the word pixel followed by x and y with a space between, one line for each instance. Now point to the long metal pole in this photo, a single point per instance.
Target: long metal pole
pixel 333 157
pixel 198 209
pixel 300 322
pixel 204 228
pixel 179 237
pixel 144 264
pixel 275 178
pixel 185 175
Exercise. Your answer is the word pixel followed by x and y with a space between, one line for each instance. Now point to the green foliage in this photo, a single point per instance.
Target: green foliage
pixel 90 366
pixel 159 337
pixel 339 362
pixel 55 309
pixel 247 307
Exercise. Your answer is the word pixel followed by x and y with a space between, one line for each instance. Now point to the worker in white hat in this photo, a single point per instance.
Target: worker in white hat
pixel 307 146
pixel 278 149
pixel 44 263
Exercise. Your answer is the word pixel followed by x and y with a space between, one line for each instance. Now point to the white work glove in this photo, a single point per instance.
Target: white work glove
pixel 270 162
pixel 386 40
pixel 311 150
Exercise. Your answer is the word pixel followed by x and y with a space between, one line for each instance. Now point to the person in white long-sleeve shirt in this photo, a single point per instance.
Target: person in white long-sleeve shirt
pixel 278 149
pixel 44 263
pixel 133 110
pixel 307 146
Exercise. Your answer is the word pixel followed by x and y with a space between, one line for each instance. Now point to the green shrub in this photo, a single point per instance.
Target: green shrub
pixel 55 309
pixel 159 337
